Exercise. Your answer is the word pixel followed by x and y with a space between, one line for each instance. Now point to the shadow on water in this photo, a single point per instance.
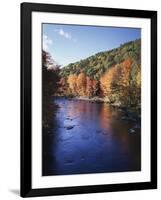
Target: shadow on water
pixel 88 137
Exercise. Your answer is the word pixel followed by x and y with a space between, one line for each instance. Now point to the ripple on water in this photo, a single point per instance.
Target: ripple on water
pixel 91 138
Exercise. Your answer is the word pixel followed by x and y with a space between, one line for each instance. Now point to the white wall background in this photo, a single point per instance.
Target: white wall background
pixel 10 98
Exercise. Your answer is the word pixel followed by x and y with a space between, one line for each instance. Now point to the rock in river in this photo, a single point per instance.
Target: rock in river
pixel 131 131
pixel 68 127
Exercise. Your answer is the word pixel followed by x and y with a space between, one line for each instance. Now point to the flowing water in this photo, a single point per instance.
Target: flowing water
pixel 90 137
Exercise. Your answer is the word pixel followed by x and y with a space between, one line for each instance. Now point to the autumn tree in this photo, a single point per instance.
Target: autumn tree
pixel 106 81
pixel 115 82
pixel 114 75
pixel 89 87
pixel 63 88
pixel 124 82
pixel 72 82
pixel 81 84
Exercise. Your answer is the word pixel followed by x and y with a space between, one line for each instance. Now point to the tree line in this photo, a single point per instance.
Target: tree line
pixel 114 76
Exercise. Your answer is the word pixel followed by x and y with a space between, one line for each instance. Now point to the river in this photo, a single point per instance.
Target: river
pixel 90 137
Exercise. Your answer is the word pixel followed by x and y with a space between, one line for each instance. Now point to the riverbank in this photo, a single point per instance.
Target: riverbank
pixel 93 99
pixel 132 113
pixel 106 100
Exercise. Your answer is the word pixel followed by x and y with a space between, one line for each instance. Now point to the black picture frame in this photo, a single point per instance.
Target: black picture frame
pixel 26 103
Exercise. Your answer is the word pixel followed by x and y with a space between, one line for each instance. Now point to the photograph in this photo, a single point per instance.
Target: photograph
pixel 88 99
pixel 91 99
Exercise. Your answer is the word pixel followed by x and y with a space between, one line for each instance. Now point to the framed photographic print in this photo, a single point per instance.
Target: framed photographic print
pixel 88 99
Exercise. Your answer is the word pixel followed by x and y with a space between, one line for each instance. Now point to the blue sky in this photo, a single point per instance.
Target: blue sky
pixel 71 43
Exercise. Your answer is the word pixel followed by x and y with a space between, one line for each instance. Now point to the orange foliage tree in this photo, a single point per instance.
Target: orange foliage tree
pixel 72 82
pixel 115 81
pixel 106 81
pixel 92 87
pixel 125 86
pixel 125 72
pixel 120 84
pixel 81 84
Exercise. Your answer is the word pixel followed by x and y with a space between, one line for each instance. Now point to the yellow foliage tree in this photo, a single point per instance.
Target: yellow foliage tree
pixel 72 82
pixel 81 84
pixel 106 80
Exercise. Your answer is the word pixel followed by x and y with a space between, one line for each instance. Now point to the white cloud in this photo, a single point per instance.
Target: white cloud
pixel 64 34
pixel 46 42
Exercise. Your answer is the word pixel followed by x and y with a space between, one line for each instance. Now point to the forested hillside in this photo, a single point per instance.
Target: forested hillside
pixel 114 76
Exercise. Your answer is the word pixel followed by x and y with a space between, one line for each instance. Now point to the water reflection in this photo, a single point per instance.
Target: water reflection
pixel 90 138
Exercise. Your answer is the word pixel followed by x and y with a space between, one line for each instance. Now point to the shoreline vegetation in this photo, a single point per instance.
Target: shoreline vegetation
pixel 130 113
pixel 112 77
pixel 105 100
